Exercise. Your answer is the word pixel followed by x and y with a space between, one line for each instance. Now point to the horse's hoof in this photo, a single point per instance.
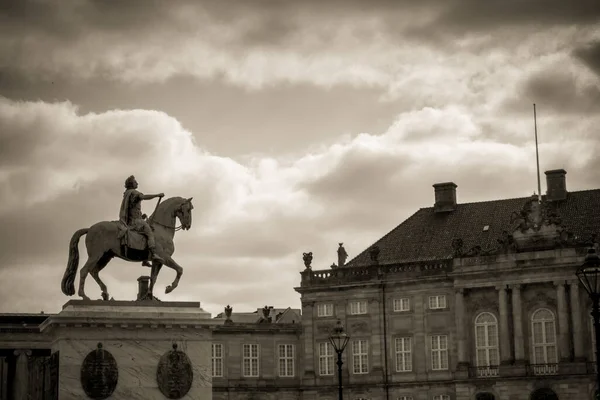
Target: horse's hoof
pixel 105 296
pixel 84 297
pixel 169 289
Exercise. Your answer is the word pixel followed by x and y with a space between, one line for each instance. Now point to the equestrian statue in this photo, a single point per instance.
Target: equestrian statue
pixel 132 238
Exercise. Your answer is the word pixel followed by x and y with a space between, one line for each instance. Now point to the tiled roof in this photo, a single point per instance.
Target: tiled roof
pixel 427 235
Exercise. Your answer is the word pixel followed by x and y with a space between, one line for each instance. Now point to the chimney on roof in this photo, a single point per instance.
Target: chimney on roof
pixel 556 185
pixel 445 197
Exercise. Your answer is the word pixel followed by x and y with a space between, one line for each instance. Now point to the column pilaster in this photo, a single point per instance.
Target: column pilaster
pixel 563 321
pixel 576 320
pixel 504 336
pixel 21 379
pixel 517 312
pixel 459 313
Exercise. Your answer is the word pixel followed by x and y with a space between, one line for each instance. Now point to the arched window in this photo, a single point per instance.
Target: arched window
pixel 543 329
pixel 544 394
pixel 486 340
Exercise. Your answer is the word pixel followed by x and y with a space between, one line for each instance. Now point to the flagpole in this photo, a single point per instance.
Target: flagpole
pixel 537 155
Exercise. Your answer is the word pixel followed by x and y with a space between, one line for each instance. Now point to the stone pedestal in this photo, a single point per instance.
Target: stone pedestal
pixel 132 338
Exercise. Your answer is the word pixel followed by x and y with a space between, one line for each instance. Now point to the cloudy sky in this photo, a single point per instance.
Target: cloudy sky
pixel 295 125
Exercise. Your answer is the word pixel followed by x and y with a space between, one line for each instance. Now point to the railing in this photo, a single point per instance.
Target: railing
pixel 483 371
pixel 373 272
pixel 542 369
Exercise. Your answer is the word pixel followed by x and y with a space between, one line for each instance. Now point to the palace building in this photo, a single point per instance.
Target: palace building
pixel 461 301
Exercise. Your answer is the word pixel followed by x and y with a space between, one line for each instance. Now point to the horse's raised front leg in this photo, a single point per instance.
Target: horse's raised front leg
pixel 169 262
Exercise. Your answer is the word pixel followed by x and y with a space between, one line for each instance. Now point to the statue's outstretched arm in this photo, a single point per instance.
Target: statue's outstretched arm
pixel 151 196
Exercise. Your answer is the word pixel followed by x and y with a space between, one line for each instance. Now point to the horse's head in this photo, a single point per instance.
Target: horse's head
pixel 184 213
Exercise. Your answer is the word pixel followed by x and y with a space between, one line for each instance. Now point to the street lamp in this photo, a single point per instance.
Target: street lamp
pixel 339 339
pixel 589 276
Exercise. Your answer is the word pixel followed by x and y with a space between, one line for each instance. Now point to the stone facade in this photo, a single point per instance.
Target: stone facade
pixel 404 302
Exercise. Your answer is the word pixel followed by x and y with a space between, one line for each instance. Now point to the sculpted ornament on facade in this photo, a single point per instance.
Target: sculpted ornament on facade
pixel 307 258
pixel 342 255
pixel 359 328
pixel 325 329
pixel 538 225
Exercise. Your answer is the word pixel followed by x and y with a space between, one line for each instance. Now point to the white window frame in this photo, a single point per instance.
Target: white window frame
pixel 402 304
pixel 358 307
pixel 490 330
pixel 438 302
pixel 250 360
pixel 439 352
pixel 217 360
pixel 325 358
pixel 441 397
pixel 325 310
pixel 360 356
pixel 544 344
pixel 403 349
pixel 286 359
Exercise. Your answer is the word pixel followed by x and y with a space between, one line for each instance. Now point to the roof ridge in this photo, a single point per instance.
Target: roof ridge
pixel 511 198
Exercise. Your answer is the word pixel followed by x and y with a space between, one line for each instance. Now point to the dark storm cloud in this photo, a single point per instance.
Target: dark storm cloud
pixel 270 22
pixel 590 55
pixel 557 91
pixel 360 175
pixel 465 15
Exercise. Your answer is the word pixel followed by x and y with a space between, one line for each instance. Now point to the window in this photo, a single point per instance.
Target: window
pixel 485 396
pixel 360 359
pixel 325 358
pixel 324 310
pixel 217 359
pixel 486 340
pixel 544 337
pixel 437 302
pixel 439 352
pixel 250 360
pixel 286 360
pixel 441 397
pixel 405 398
pixel 358 307
pixel 402 304
pixel 403 354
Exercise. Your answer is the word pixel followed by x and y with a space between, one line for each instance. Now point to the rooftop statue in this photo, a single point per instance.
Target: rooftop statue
pixel 131 238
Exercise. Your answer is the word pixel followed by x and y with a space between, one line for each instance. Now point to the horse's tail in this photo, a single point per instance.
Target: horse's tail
pixel 68 280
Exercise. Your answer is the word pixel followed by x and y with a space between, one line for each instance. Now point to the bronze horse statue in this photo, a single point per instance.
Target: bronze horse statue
pixel 103 243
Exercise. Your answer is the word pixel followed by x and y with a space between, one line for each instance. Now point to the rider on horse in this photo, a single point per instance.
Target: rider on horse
pixel 131 214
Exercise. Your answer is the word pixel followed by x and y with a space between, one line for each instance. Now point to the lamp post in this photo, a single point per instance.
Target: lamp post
pixel 339 339
pixel 589 276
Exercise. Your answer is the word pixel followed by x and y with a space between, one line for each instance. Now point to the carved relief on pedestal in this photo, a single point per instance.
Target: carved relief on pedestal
pixel 174 374
pixel 99 374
